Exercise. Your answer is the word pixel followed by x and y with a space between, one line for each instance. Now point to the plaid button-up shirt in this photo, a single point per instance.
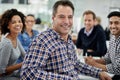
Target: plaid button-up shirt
pixel 112 57
pixel 51 58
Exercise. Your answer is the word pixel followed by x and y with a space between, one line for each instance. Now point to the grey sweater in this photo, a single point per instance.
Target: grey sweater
pixel 9 55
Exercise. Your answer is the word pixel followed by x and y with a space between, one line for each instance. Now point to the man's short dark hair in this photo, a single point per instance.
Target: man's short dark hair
pixel 63 3
pixel 90 12
pixel 114 13
pixel 31 15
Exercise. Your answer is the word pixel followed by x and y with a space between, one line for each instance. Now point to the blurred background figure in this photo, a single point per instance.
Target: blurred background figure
pixel 98 22
pixel 27 36
pixel 38 21
pixel 91 38
pixel 107 33
pixel 12 22
pixel 38 25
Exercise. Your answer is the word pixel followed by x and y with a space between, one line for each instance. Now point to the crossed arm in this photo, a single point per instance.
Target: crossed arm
pixel 11 69
pixel 99 63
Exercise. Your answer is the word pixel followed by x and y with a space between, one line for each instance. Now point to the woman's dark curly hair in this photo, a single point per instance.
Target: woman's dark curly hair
pixel 6 18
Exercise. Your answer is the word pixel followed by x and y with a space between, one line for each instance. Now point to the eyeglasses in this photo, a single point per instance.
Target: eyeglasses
pixel 32 21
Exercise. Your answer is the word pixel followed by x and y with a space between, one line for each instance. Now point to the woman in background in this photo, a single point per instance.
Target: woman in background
pixel 12 22
pixel 27 36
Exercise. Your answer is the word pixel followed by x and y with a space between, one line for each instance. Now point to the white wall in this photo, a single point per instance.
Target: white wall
pixel 100 7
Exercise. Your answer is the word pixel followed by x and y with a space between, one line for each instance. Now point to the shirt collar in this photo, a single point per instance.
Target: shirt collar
pixel 88 33
pixel 57 36
pixel 117 40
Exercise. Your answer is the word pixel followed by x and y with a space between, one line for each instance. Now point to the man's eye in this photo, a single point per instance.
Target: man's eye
pixel 61 16
pixel 70 17
pixel 116 22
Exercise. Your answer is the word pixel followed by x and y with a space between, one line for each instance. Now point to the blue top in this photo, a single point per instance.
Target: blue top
pixel 51 58
pixel 25 39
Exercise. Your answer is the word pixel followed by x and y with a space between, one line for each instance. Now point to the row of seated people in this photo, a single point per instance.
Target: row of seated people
pixel 12 22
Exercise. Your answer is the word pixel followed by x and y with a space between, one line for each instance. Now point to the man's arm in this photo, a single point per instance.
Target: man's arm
pixel 92 71
pixel 35 63
pixel 104 76
pixel 101 66
pixel 99 63
pixel 38 74
pixel 33 69
pixel 101 44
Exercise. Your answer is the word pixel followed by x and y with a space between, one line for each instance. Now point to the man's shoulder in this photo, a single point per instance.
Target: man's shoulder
pixel 46 34
pixel 82 30
pixel 98 29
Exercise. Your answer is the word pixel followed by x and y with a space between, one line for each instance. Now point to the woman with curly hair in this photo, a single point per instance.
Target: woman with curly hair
pixel 12 22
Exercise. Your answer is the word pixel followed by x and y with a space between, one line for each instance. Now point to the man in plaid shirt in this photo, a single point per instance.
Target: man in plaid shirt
pixel 51 55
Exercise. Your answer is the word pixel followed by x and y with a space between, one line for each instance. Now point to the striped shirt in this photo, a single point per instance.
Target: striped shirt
pixel 51 58
pixel 112 57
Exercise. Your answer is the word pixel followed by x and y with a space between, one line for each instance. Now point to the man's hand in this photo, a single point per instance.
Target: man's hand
pixel 89 60
pixel 80 51
pixel 90 50
pixel 104 76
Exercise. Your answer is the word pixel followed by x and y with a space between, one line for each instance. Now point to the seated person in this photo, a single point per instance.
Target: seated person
pixel 91 38
pixel 111 61
pixel 51 55
pixel 29 34
pixel 12 22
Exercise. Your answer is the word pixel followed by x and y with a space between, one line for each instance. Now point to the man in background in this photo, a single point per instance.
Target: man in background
pixel 91 38
pixel 111 61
